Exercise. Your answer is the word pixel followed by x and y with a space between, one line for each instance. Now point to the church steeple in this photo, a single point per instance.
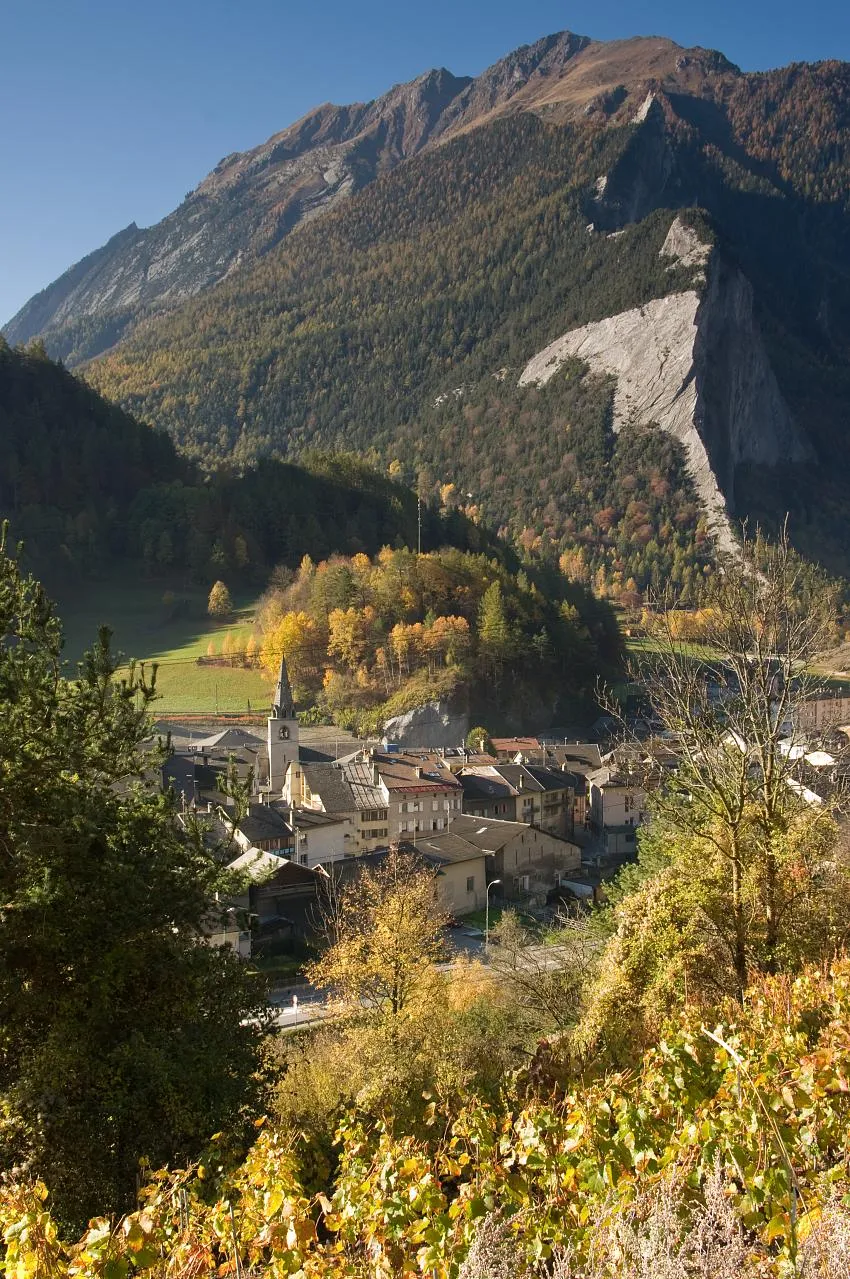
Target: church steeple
pixel 283 739
pixel 283 706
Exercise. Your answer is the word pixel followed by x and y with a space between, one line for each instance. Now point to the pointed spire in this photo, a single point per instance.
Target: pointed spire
pixel 283 706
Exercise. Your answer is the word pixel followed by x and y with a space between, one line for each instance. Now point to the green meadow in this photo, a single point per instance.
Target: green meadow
pixel 174 634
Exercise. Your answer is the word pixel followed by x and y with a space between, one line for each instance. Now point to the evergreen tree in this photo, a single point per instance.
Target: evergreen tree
pixel 494 631
pixel 123 1036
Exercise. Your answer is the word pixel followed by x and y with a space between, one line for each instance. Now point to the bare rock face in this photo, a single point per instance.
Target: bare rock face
pixel 428 727
pixel 242 209
pixel 694 364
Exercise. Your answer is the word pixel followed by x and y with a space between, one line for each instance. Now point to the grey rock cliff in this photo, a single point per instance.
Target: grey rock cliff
pixel 428 727
pixel 693 364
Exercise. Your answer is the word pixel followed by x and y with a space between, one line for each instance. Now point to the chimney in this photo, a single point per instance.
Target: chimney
pixel 418 770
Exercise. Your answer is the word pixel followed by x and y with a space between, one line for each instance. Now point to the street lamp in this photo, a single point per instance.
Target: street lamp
pixel 492 884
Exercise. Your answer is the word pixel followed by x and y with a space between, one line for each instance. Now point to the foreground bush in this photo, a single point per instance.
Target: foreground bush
pixel 740 1138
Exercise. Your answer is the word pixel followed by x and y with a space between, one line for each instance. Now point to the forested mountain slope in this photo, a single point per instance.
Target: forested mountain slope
pixel 385 322
pixel 700 215
pixel 253 199
pixel 85 485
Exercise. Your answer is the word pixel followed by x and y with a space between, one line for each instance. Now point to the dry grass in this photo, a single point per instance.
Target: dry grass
pixel 660 1235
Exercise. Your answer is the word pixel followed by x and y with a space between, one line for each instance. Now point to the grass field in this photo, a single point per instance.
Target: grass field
pixel 133 609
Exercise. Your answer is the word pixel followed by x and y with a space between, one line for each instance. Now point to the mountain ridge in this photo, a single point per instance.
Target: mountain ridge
pixel 387 323
pixel 251 200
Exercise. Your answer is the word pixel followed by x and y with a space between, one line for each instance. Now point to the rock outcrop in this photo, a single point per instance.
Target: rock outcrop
pixel 694 364
pixel 428 727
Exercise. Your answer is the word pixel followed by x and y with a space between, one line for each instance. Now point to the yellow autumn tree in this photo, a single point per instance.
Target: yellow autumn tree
pixel 349 633
pixel 219 603
pixel 385 932
pixel 297 638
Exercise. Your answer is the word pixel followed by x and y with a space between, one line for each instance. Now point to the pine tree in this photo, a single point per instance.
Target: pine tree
pixel 123 1035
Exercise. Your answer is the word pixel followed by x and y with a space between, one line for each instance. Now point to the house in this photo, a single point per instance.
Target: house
pixel 281 902
pixel 617 806
pixel 487 794
pixel 511 750
pixel 460 868
pixel 262 827
pixel 307 838
pixel 527 860
pixel 325 789
pixel 535 794
pixel 382 796
pixel 576 758
pixel 319 837
pixel 820 714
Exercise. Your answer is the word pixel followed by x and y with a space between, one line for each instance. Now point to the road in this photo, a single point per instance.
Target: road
pixel 305 1005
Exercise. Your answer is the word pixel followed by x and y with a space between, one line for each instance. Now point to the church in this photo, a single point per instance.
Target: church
pixel 284 769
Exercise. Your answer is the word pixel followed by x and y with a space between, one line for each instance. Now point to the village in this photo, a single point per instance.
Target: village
pixel 531 824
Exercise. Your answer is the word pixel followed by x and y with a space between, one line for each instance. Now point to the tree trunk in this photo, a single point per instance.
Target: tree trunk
pixel 739 927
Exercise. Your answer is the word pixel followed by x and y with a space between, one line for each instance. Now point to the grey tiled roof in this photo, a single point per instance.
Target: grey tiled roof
pixel 263 822
pixel 361 780
pixel 329 783
pixel 485 786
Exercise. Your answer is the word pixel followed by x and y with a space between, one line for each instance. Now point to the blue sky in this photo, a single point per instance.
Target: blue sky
pixel 113 110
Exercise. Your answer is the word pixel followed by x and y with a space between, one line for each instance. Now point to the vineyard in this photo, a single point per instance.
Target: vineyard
pixel 746 1120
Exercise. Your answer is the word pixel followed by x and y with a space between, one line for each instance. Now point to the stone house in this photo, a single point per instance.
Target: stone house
pixel 536 794
pixel 383 796
pixel 527 860
pixel 617 807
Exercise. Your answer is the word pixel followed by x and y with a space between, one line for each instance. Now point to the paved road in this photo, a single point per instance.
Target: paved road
pixel 304 1005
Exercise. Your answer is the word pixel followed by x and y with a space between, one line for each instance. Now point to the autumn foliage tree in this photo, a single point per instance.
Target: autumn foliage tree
pixel 368 638
pixel 385 933
pixel 219 603
pixel 740 870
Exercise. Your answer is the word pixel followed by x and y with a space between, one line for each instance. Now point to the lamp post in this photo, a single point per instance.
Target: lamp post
pixel 492 884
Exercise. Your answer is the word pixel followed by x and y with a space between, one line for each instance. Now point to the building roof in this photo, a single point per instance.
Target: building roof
pixel 485 784
pixel 310 819
pixel 577 756
pixel 443 848
pixel 287 875
pixel 360 778
pixel 416 772
pixel 329 783
pixel 488 834
pixel 178 774
pixel 533 777
pixel 228 739
pixel 549 779
pixel 262 822
pixel 511 745
pixel 257 863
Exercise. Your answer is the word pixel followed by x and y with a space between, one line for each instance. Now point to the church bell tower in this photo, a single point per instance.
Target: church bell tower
pixel 283 739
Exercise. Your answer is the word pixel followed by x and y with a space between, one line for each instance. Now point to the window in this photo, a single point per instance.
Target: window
pixel 628 803
pixel 470 883
pixel 303 859
pixel 435 804
pixel 373 815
